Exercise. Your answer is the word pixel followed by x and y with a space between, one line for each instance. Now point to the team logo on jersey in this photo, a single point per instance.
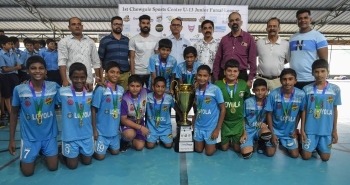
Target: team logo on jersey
pixel 170 136
pixel 330 99
pixel 88 101
pixel 48 101
pixel 69 115
pixel 70 102
pixel 207 100
pixel 279 106
pixel 27 117
pixel 312 99
pixel 168 70
pixel 143 103
pixel 294 107
pixel 241 94
pixel 27 103
pixel 330 145
pixel 107 111
pixel 165 108
pixel 126 18
pixel 191 28
pixel 108 99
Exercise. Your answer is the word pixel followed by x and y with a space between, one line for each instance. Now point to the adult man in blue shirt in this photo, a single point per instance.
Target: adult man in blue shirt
pixel 179 42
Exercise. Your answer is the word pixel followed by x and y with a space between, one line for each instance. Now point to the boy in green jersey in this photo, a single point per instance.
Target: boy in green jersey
pixel 235 91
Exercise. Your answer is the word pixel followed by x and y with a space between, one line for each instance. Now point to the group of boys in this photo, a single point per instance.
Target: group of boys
pixel 91 120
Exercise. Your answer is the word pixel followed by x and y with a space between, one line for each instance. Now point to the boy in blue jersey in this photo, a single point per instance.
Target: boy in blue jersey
pixel 9 64
pixel 77 136
pixel 319 129
pixel 50 56
pixel 284 106
pixel 133 110
pixel 106 103
pixel 186 71
pixel 255 118
pixel 28 52
pixel 34 102
pixel 162 64
pixel 210 112
pixel 158 114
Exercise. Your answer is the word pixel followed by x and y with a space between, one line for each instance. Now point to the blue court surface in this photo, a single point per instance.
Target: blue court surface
pixel 164 166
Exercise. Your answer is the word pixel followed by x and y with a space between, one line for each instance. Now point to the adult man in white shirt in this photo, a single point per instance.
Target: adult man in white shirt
pixel 78 48
pixel 179 42
pixel 273 52
pixel 142 46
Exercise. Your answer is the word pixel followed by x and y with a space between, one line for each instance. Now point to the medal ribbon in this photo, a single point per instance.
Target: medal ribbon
pixel 137 110
pixel 200 103
pixel 232 95
pixel 284 106
pixel 80 110
pixel 319 101
pixel 157 112
pixel 259 114
pixel 161 68
pixel 115 98
pixel 38 105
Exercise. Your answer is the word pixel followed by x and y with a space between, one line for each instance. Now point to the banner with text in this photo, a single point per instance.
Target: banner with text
pixel 192 16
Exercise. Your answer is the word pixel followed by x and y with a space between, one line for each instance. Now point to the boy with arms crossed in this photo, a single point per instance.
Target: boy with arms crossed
pixel 106 103
pixel 255 119
pixel 133 110
pixel 283 107
pixel 319 129
pixel 35 103
pixel 210 112
pixel 234 91
pixel 77 137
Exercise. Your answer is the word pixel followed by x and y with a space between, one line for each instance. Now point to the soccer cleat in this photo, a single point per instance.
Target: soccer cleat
pixel 261 147
pixel 123 146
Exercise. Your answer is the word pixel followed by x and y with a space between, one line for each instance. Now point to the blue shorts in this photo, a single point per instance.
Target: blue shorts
pixel 166 137
pixel 204 135
pixel 289 144
pixel 322 143
pixel 251 137
pixel 72 149
pixel 103 143
pixel 30 150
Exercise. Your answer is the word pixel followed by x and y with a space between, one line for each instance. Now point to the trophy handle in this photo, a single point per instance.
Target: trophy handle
pixel 174 85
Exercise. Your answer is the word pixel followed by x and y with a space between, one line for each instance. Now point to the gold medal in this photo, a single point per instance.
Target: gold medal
pixel 157 122
pixel 317 114
pixel 115 115
pixel 233 109
pixel 39 119
pixel 81 122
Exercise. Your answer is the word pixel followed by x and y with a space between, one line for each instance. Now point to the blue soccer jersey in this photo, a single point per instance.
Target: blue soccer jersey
pixel 162 69
pixel 284 125
pixel 186 76
pixel 107 124
pixel 31 130
pixel 322 126
pixel 71 128
pixel 163 109
pixel 254 115
pixel 208 107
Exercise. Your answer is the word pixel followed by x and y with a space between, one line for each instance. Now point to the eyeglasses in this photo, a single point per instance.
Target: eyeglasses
pixel 116 24
pixel 176 25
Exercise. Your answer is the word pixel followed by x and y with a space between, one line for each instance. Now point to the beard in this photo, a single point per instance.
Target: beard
pixel 117 31
pixel 235 27
pixel 145 31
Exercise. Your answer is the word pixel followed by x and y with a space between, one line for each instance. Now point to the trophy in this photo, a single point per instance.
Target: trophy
pixel 183 95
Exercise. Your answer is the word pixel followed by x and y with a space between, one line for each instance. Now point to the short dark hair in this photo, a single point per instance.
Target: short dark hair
pixel 274 18
pixel 177 18
pixel 73 18
pixel 48 41
pixel 159 79
pixel 42 42
pixel 320 63
pixel 190 49
pixel 36 42
pixel 204 67
pixel 28 41
pixel 111 64
pixel 233 13
pixel 77 66
pixel 35 59
pixel 134 78
pixel 2 31
pixel 14 39
pixel 3 40
pixel 116 17
pixel 259 82
pixel 286 71
pixel 165 43
pixel 207 21
pixel 231 63
pixel 303 11
pixel 144 17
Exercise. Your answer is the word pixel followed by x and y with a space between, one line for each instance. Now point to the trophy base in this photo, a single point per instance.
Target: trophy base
pixel 184 140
